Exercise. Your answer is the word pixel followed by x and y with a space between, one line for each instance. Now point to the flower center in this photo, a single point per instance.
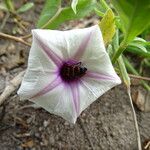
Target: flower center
pixel 71 71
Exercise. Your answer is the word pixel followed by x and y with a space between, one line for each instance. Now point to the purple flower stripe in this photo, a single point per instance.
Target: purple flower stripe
pixel 56 82
pixel 75 95
pixel 99 76
pixel 51 54
pixel 80 51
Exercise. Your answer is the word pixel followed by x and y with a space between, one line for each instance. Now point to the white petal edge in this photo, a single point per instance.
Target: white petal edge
pixel 58 102
pixel 91 90
pixel 64 43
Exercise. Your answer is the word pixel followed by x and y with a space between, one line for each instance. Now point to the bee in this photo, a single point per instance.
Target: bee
pixel 73 71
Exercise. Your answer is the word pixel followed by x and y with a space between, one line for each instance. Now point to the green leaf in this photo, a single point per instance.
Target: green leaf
pixel 49 10
pixel 10 5
pixel 139 40
pixel 25 7
pixel 84 8
pixel 99 13
pixel 104 4
pixel 138 46
pixel 101 8
pixel 73 5
pixel 138 50
pixel 134 15
pixel 107 26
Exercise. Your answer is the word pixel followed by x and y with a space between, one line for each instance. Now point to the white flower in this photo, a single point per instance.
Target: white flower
pixel 67 71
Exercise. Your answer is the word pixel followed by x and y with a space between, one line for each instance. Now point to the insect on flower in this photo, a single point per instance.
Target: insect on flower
pixel 67 71
pixel 72 71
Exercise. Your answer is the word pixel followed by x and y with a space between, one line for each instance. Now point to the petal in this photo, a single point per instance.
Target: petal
pixel 34 81
pixel 38 60
pixel 100 76
pixel 75 97
pixel 54 40
pixel 59 102
pixel 95 58
pixel 82 47
pixel 67 44
pixel 95 48
pixel 49 87
pixel 46 48
pixel 91 90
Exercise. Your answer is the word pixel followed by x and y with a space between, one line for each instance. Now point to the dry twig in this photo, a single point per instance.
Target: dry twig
pixel 14 83
pixel 139 77
pixel 135 120
pixel 17 39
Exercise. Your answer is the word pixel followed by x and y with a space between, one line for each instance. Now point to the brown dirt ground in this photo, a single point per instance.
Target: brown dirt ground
pixel 106 125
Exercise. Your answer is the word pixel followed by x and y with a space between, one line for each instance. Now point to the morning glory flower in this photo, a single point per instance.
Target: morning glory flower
pixel 67 71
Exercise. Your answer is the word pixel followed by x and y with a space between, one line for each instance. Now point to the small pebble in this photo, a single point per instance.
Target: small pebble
pixel 46 123
pixel 40 128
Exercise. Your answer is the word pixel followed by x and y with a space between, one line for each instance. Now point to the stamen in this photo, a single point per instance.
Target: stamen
pixel 72 71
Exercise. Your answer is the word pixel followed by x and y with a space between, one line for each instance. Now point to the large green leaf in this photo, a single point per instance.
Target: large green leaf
pixel 84 7
pixel 134 15
pixel 49 10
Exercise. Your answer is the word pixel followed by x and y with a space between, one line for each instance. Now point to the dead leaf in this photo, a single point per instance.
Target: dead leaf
pixel 28 144
pixel 142 100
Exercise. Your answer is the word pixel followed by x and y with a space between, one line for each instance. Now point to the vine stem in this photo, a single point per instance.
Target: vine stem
pixel 17 39
pixel 53 18
pixel 135 119
pixel 118 50
pixel 121 48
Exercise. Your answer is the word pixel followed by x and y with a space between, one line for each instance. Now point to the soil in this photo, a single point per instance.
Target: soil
pixel 106 125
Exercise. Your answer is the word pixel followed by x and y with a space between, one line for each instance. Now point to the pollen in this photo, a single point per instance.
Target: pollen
pixel 71 71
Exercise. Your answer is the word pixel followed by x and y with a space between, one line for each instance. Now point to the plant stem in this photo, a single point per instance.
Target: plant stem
pixel 53 18
pixel 135 120
pixel 133 70
pixel 139 77
pixel 17 39
pixel 126 80
pixel 119 51
pixel 47 23
pixel 104 4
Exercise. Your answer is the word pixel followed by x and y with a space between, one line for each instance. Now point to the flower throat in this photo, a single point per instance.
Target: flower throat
pixel 72 71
